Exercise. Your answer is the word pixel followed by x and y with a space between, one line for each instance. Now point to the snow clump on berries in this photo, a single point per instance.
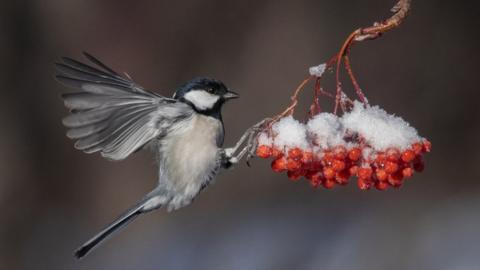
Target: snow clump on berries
pixel 290 133
pixel 326 130
pixel 379 129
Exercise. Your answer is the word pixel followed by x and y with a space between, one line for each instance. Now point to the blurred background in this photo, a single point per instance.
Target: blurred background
pixel 52 197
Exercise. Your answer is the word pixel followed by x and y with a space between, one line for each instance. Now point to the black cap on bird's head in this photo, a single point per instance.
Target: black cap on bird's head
pixel 204 94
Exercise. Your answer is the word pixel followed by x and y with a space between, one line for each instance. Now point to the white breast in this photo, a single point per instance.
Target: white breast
pixel 190 158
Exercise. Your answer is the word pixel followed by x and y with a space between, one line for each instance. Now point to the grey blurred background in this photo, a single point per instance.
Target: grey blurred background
pixel 52 197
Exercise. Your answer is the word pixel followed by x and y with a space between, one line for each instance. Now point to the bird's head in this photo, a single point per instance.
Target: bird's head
pixel 205 95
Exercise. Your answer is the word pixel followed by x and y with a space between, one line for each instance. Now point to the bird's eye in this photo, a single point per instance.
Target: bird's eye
pixel 210 90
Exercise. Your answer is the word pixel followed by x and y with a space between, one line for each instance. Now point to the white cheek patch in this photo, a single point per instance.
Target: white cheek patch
pixel 201 99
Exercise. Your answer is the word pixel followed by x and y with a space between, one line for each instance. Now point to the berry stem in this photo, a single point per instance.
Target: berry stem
pixel 290 109
pixel 343 51
pixel 315 107
pixel 400 10
pixel 357 87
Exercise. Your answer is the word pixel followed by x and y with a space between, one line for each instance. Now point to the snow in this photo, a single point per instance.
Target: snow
pixel 380 129
pixel 289 133
pixel 264 139
pixel 317 70
pixel 326 130
pixel 367 153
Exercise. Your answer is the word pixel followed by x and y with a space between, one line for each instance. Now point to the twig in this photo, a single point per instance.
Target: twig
pixel 401 10
pixel 290 109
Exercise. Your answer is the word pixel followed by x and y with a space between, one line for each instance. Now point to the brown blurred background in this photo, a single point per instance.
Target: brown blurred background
pixel 52 197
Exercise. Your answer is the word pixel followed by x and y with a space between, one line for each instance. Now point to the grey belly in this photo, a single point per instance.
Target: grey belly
pixel 190 160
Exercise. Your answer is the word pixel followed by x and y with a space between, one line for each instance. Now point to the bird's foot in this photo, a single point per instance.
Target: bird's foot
pixel 249 142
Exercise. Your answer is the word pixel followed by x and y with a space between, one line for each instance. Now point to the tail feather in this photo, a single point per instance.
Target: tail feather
pixel 115 226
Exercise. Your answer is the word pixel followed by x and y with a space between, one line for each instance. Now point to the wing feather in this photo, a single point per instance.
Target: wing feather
pixel 102 88
pixel 85 131
pixel 84 101
pixel 111 114
pixel 115 128
pixel 89 117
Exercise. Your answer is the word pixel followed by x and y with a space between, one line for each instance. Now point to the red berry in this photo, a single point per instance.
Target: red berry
pixel 279 165
pixel 354 154
pixel 338 165
pixel 276 152
pixel 307 157
pixel 340 152
pixel 391 167
pixel 295 153
pixel 407 172
pixel 381 158
pixel 328 183
pixel 364 184
pixel 342 177
pixel 295 175
pixel 328 173
pixel 381 185
pixel 293 165
pixel 316 179
pixel 408 156
pixel 398 176
pixel 315 184
pixel 393 155
pixel 327 159
pixel 395 179
pixel 381 175
pixel 427 146
pixel 353 170
pixel 264 151
pixel 365 173
pixel 417 148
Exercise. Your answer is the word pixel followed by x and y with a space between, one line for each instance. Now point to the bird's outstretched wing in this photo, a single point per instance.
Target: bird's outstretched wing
pixel 111 113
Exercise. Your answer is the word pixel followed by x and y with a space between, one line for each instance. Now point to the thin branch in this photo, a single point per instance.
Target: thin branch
pixel 290 109
pixel 358 90
pixel 401 10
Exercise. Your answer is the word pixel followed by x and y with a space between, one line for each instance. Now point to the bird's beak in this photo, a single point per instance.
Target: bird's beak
pixel 230 95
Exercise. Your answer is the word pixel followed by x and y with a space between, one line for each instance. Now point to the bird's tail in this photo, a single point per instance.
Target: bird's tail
pixel 119 223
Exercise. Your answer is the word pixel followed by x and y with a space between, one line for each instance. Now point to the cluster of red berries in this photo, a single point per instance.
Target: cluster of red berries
pixel 335 166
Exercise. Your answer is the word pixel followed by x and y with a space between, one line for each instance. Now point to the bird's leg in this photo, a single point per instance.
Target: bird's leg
pixel 229 152
pixel 250 136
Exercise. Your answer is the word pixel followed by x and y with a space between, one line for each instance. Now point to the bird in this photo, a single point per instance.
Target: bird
pixel 113 115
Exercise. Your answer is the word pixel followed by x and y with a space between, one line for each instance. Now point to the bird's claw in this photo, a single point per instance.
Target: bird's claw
pixel 229 152
pixel 250 136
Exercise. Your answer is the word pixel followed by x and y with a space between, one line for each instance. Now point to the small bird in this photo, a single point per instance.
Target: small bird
pixel 113 115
